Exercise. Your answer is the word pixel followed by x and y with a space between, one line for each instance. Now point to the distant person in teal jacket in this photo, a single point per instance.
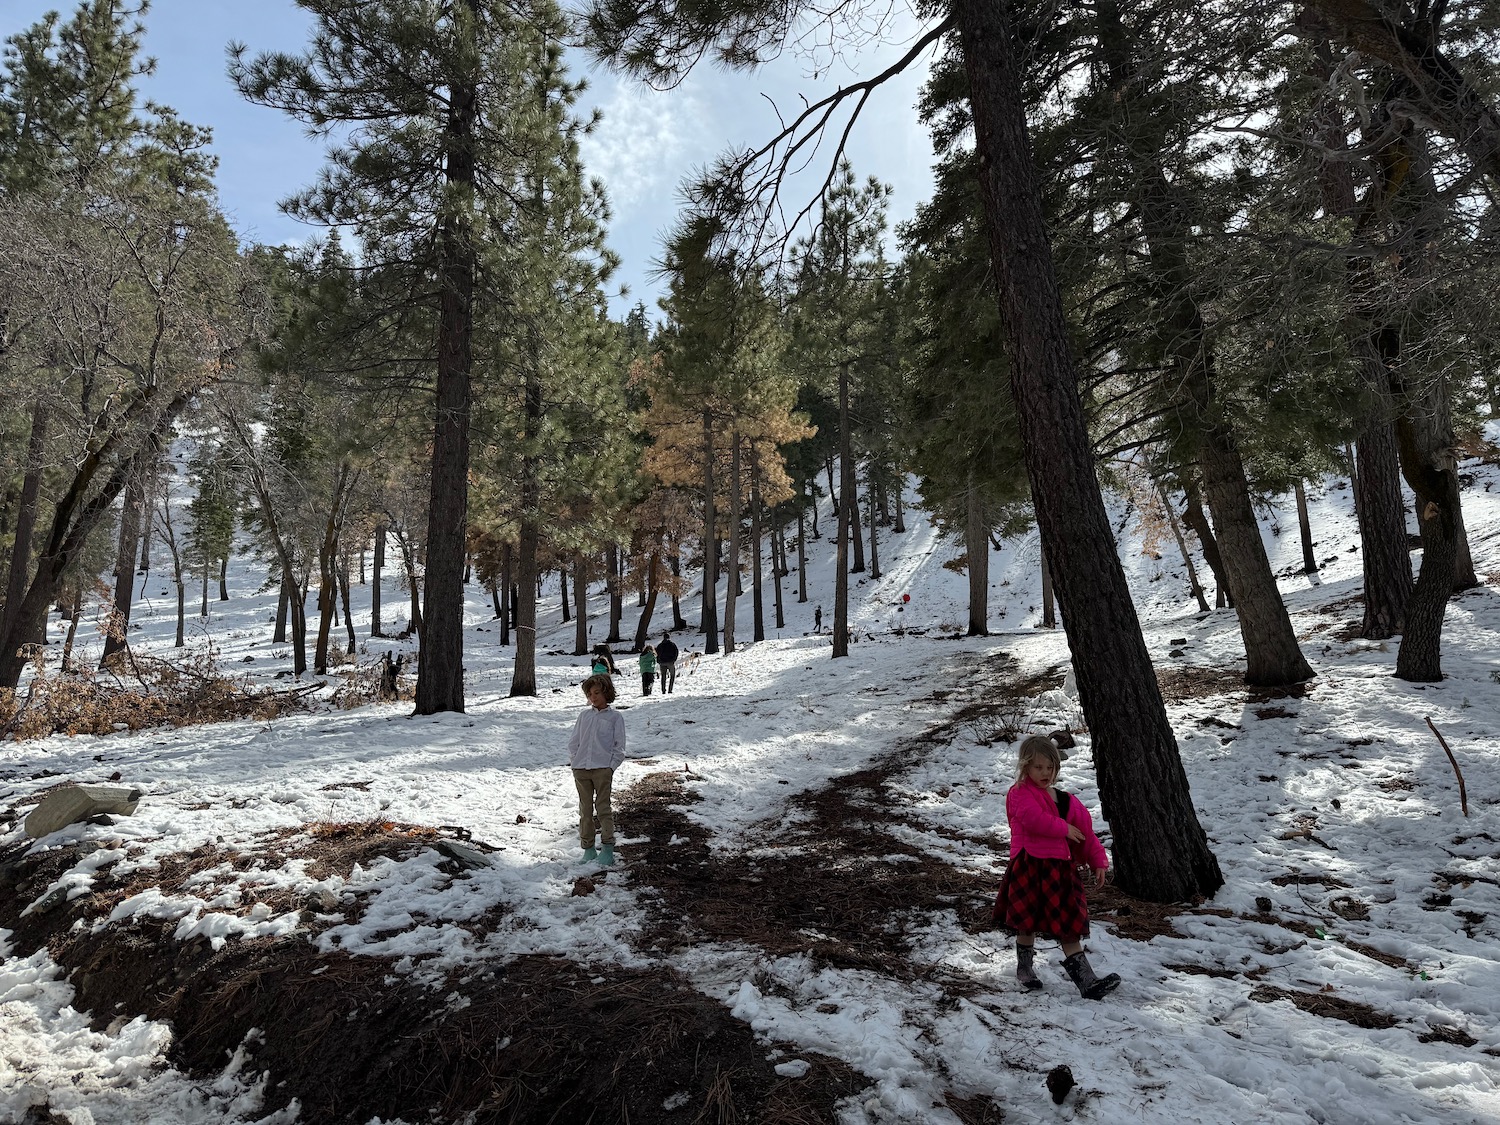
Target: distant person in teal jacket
pixel 648 669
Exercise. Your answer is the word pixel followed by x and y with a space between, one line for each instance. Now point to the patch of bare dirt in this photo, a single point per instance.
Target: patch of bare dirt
pixel 539 1040
pixel 1328 1005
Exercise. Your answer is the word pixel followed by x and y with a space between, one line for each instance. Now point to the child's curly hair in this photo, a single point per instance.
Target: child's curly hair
pixel 603 683
pixel 1036 746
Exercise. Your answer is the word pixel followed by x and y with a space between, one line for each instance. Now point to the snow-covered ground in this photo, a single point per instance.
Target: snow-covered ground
pixel 1338 807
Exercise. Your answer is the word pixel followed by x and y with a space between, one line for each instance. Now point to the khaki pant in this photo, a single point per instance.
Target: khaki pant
pixel 593 794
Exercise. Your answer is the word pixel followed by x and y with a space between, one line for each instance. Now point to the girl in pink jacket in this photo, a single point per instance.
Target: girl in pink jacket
pixel 1051 836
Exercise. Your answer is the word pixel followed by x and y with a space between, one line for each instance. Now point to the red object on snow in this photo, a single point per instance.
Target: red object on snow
pixel 906 597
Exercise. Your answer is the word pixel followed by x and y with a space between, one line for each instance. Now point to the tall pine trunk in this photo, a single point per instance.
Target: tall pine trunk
pixel 709 625
pixel 1160 850
pixel 377 567
pixel 523 672
pixel 1385 557
pixel 757 585
pixel 581 604
pixel 616 598
pixel 846 488
pixel 856 533
pixel 440 656
pixel 732 565
pixel 977 546
pixel 679 623
pixel 874 543
pixel 283 603
pixel 802 554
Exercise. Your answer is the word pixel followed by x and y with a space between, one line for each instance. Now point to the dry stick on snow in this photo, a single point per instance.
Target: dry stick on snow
pixel 1463 796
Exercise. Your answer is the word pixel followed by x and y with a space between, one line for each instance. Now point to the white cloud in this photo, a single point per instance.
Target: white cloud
pixel 641 148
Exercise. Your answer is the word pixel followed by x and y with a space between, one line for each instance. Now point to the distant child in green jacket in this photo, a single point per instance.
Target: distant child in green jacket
pixel 648 669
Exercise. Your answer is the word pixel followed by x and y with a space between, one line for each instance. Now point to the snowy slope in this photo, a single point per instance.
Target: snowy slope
pixel 1338 807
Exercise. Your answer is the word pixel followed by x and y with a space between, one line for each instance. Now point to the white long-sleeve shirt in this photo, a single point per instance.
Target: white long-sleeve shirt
pixel 598 740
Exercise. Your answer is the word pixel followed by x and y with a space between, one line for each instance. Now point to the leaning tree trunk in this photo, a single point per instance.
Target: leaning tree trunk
pixel 351 642
pixel 116 637
pixel 977 546
pixel 1272 655
pixel 653 590
pixel 1304 529
pixel 1160 850
pixel 1197 520
pixel 440 656
pixel 1182 548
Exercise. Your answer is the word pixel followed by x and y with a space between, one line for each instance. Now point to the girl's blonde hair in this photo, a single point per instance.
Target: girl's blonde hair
pixel 1035 746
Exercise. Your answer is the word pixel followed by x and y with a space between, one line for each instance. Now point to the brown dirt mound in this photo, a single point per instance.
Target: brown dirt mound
pixel 537 1040
pixel 843 892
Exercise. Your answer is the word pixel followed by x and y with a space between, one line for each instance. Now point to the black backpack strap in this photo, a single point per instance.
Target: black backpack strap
pixel 1064 802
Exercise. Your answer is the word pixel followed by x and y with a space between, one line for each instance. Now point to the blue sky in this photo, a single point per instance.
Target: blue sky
pixel 647 142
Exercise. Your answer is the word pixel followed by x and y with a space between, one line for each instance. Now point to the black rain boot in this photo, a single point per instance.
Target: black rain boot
pixel 1025 954
pixel 1090 987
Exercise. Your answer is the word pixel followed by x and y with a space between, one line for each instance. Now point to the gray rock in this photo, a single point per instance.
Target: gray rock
pixel 73 803
pixel 463 856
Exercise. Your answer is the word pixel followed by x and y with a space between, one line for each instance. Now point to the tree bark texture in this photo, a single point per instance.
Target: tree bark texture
pixel 523 672
pixel 26 508
pixel 377 567
pixel 757 584
pixel 977 546
pixel 580 603
pixel 709 625
pixel 440 656
pixel 732 566
pixel 1304 529
pixel 1161 852
pixel 846 487
pixel 132 513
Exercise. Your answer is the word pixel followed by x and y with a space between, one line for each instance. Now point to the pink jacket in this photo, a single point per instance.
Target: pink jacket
pixel 1036 828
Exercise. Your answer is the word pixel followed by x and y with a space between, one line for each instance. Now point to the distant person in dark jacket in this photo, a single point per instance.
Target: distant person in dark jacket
pixel 666 662
pixel 603 662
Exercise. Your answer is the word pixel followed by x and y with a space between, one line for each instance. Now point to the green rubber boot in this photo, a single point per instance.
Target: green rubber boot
pixel 607 857
pixel 589 855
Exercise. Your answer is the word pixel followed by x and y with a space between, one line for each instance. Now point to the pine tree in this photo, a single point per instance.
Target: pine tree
pixel 449 123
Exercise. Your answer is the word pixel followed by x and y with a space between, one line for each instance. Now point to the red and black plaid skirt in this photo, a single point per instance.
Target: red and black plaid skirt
pixel 1042 896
